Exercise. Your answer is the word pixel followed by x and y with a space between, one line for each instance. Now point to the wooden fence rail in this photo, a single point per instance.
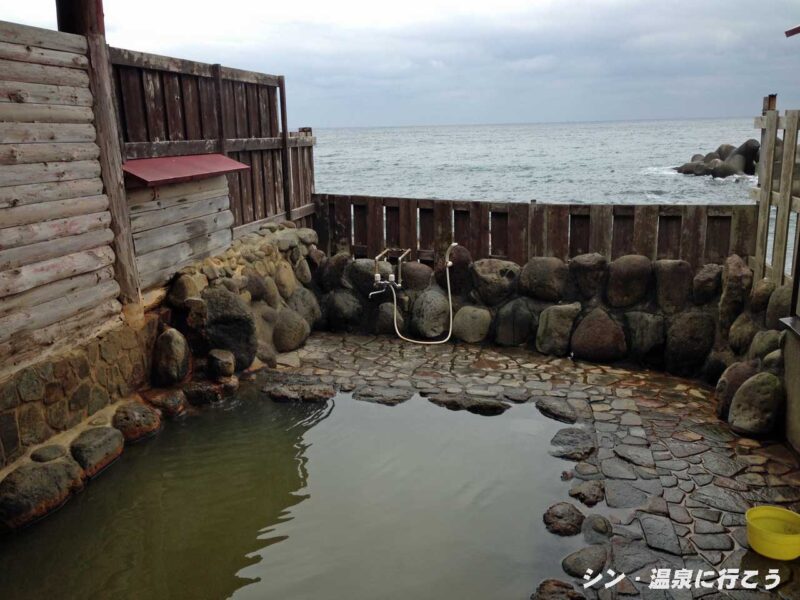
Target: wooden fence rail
pixel 364 225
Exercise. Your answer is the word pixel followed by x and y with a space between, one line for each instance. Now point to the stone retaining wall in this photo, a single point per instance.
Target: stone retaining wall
pixel 58 393
pixel 714 322
pixel 65 419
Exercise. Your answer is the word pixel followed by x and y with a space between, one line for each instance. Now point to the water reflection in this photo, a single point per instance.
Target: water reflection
pixel 180 516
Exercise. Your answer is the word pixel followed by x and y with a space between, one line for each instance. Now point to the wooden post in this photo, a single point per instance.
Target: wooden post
pixel 287 169
pixel 85 17
pixel 223 135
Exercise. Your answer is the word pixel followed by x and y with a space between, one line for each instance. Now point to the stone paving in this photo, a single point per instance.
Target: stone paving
pixel 676 481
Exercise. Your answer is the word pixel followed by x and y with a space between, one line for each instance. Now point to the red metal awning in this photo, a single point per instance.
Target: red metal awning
pixel 174 169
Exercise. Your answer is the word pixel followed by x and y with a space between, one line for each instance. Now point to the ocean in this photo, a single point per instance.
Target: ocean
pixel 608 162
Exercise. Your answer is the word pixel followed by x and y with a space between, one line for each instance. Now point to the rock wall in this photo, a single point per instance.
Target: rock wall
pixel 715 322
pixel 220 316
pixel 58 393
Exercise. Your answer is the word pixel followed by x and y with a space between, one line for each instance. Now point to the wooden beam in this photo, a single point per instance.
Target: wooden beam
pixel 126 272
pixel 82 17
pixel 17 281
pixel 42 38
pixel 285 160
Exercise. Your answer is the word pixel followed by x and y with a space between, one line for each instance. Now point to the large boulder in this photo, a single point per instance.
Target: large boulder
pixel 495 279
pixel 779 306
pixel 729 382
pixel 230 325
pixel 460 273
pixel 725 150
pixel 516 322
pixel 291 330
pixel 749 152
pixel 628 279
pixel 589 272
pixel 302 272
pixel 762 292
pixel 416 276
pixel 96 448
pixel 690 337
pixel 553 589
pixel 471 324
pixel 737 279
pixel 136 420
pixel 757 405
pixel 255 285
pixel 763 343
pixel 384 322
pixel 32 490
pixel 331 274
pixel 673 284
pixel 599 338
pixel 721 169
pixel 285 279
pixel 183 287
pixel 706 282
pixel 742 332
pixel 220 363
pixel 361 273
pixel 430 315
pixel 304 302
pixel 645 333
pixel 271 294
pixel 544 278
pixel 563 518
pixel 171 358
pixel 773 362
pixel 555 328
pixel 343 310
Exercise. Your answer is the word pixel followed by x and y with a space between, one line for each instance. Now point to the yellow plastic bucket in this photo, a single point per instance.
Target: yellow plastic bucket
pixel 774 532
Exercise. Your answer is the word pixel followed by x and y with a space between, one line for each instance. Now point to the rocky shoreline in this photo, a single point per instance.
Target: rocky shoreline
pixel 725 161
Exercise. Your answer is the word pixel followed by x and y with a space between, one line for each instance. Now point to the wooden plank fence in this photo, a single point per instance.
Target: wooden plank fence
pixel 778 194
pixel 364 225
pixel 171 107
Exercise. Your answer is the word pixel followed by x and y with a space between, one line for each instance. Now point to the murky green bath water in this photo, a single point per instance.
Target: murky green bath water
pixel 353 501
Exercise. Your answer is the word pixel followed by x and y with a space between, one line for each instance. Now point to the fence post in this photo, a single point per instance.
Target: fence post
pixel 85 17
pixel 223 135
pixel 765 180
pixel 285 164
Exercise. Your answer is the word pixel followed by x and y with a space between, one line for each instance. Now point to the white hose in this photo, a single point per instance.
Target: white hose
pixel 450 302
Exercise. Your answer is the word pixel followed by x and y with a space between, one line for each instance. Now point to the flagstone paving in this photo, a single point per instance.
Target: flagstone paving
pixel 676 480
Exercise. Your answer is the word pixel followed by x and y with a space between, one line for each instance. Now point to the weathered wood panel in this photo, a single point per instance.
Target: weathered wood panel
pixel 37 93
pixel 21 154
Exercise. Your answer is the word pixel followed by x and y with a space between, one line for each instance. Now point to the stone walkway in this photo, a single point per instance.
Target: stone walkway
pixel 676 481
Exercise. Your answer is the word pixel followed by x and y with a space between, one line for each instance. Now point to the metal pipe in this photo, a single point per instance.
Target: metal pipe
pixel 377 258
pixel 447 265
pixel 400 267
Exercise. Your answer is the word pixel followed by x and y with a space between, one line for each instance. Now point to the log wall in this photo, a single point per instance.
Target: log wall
pixel 56 259
pixel 175 225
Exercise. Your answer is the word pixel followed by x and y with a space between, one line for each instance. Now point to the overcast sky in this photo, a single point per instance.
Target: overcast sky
pixel 361 63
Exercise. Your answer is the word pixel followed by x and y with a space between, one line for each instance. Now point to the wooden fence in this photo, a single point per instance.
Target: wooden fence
pixel 778 193
pixel 778 196
pixel 364 225
pixel 171 107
